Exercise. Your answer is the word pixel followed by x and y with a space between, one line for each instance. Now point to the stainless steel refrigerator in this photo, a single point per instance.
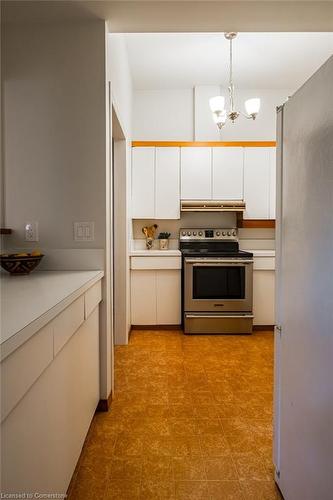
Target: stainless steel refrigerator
pixel 303 427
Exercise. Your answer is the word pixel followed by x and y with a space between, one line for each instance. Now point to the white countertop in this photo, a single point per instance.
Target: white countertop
pixel 263 253
pixel 30 302
pixel 155 253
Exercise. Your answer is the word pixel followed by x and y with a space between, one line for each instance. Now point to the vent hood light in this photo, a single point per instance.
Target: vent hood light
pixel 212 206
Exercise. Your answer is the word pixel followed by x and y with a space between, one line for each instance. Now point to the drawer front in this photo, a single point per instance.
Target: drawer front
pixel 264 263
pixel 156 262
pixel 92 298
pixel 22 368
pixel 66 324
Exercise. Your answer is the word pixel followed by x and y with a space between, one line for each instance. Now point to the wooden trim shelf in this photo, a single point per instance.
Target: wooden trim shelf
pixel 256 223
pixel 198 144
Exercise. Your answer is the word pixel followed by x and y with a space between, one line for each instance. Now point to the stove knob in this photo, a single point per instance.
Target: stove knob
pixel 200 233
pixel 234 233
pixel 183 233
pixel 188 233
pixel 218 233
pixel 229 233
pixel 194 233
pixel 223 233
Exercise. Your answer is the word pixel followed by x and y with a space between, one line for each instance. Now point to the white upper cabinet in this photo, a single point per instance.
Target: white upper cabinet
pixel 228 173
pixel 272 184
pixel 196 173
pixel 155 183
pixel 257 182
pixel 167 183
pixel 143 183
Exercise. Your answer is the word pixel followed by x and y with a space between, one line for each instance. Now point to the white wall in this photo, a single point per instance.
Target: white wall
pixel 119 74
pixel 172 114
pixel 54 130
pixel 165 115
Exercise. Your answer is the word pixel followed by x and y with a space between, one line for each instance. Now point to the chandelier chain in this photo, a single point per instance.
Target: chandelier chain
pixel 231 85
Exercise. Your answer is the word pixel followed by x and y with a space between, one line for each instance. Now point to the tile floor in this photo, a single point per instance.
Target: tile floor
pixel 191 419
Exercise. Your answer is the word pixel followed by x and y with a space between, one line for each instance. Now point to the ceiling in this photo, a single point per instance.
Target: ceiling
pixel 261 60
pixel 162 16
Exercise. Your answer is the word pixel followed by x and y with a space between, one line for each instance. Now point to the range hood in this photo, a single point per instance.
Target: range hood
pixel 212 206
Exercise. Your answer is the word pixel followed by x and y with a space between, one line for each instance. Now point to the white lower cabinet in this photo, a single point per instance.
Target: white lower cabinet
pixel 143 297
pixel 168 297
pixel 155 297
pixel 263 297
pixel 50 390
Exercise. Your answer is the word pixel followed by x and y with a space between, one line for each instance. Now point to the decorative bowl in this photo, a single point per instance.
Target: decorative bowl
pixel 19 264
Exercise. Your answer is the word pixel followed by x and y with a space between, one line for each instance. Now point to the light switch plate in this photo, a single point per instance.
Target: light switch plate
pixel 31 231
pixel 84 231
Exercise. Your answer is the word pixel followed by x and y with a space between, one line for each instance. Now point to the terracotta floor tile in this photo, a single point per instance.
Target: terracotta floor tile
pixel 192 490
pixel 157 468
pixel 89 485
pixel 120 489
pixel 260 490
pixel 186 446
pixel 161 490
pixel 251 466
pixel 158 445
pixel 128 446
pixel 188 468
pixel 125 468
pixel 214 445
pixel 208 425
pixel 191 418
pixel 183 426
pixel 225 490
pixel 221 468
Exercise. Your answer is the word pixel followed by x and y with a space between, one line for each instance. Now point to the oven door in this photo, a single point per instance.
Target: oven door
pixel 218 284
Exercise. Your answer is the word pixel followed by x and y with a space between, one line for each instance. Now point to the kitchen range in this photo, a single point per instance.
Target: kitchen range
pixel 217 281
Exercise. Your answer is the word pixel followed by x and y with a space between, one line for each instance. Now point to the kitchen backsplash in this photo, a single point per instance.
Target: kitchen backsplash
pixel 256 239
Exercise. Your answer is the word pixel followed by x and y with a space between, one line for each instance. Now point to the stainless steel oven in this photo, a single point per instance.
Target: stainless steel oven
pixel 217 283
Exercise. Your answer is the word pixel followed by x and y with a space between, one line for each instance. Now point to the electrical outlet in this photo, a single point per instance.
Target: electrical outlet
pixel 84 231
pixel 31 231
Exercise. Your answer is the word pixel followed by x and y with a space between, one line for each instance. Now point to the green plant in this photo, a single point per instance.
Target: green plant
pixel 164 236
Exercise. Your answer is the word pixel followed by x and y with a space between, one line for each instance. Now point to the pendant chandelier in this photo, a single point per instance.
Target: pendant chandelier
pixel 217 104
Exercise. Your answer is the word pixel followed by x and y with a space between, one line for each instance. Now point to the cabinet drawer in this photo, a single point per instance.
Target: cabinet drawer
pixel 264 263
pixel 92 298
pixel 66 324
pixel 23 367
pixel 155 262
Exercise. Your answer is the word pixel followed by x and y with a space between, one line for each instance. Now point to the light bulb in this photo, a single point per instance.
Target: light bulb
pixel 220 118
pixel 216 103
pixel 252 106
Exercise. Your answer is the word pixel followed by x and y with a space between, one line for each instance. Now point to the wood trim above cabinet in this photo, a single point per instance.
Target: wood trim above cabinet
pixel 217 144
pixel 256 223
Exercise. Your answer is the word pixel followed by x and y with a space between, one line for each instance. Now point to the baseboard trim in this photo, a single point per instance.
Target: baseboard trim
pixel 156 327
pixel 263 328
pixel 104 404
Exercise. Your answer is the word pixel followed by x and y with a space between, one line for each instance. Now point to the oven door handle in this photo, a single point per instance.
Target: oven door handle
pixel 212 316
pixel 209 262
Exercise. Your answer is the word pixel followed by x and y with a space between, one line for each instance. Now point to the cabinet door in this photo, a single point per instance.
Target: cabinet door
pixel 272 184
pixel 256 182
pixel 143 297
pixel 167 183
pixel 227 173
pixel 168 292
pixel 143 183
pixel 264 297
pixel 196 174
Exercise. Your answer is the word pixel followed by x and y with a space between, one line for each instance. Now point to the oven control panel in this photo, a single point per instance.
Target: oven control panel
pixel 208 234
